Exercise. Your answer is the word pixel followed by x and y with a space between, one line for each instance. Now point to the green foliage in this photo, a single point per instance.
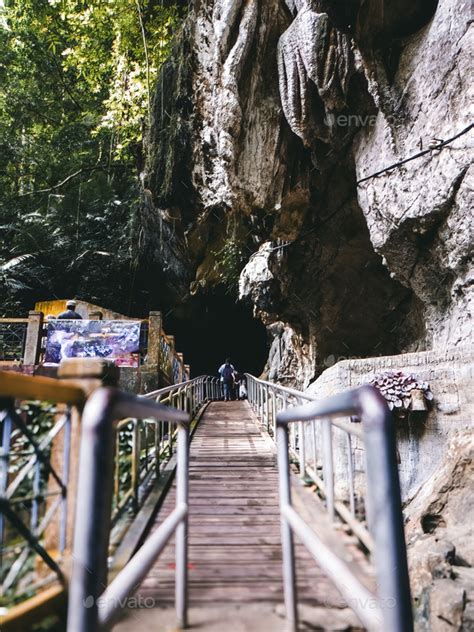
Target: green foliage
pixel 75 84
pixel 230 260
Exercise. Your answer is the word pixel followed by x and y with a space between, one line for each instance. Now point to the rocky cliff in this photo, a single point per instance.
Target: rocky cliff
pixel 269 122
pixel 313 158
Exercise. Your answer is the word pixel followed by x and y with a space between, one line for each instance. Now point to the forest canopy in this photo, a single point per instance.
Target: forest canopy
pixel 76 83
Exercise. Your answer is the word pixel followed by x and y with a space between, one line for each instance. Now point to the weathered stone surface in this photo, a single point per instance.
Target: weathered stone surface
pixel 446 606
pixel 260 280
pixel 361 85
pixel 444 502
pixel 341 272
pixel 315 65
pixel 225 167
pixel 237 153
pixel 440 534
pixel 420 215
pixel 421 439
pixel 290 359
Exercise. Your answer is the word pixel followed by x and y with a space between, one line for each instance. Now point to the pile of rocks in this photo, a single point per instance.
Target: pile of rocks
pixel 402 391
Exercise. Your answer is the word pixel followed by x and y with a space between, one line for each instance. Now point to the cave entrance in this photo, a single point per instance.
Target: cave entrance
pixel 216 327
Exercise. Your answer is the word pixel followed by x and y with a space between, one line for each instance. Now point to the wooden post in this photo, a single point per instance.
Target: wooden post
pixel 33 338
pixel 187 368
pixel 88 374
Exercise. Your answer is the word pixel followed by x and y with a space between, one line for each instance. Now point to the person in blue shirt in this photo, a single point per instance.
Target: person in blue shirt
pixel 70 313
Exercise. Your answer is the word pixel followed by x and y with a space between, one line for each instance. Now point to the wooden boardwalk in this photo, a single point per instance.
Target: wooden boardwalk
pixel 234 535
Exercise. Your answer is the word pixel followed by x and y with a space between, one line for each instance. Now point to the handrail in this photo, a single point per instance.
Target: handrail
pixel 101 416
pixel 186 396
pixel 299 395
pixel 391 609
pixel 167 389
pixel 47 389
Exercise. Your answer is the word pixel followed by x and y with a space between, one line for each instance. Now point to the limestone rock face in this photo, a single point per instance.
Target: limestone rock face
pixel 267 118
pixel 271 119
pixel 440 537
pixel 222 160
pixel 315 65
pixel 420 214
pixel 290 359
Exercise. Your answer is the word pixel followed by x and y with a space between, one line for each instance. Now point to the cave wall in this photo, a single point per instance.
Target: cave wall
pixel 266 117
pixel 422 437
pixel 420 215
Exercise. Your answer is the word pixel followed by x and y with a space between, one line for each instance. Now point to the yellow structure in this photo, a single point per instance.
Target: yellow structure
pixel 86 310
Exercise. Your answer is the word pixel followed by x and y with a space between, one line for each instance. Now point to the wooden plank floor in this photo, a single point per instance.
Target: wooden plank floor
pixel 234 527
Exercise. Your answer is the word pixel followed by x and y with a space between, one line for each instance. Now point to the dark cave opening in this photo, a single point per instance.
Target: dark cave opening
pixel 216 327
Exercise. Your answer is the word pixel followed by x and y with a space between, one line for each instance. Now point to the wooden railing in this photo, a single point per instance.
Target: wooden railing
pixel 39 420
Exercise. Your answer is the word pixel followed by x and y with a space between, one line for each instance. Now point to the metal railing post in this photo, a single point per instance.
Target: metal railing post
pixel 92 526
pixel 274 413
pixel 302 450
pixel 350 468
pixel 314 442
pixel 328 466
pixel 181 549
pixel 66 464
pixel 4 467
pixel 384 489
pixel 267 407
pixel 136 449
pixel 157 446
pixel 288 551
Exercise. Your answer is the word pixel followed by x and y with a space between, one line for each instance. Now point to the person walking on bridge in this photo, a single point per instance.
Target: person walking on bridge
pixel 227 373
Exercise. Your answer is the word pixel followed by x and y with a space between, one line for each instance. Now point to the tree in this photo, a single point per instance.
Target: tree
pixel 75 83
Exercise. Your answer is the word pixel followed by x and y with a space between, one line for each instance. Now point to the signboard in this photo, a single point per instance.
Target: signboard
pixel 117 340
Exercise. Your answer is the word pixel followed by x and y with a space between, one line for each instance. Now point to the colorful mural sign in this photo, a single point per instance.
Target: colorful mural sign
pixel 117 340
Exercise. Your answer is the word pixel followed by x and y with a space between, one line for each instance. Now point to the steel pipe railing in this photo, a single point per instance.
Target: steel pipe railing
pixel 106 411
pixel 292 410
pixel 86 612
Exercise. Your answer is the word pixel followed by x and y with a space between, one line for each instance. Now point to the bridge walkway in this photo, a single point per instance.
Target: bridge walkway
pixel 235 566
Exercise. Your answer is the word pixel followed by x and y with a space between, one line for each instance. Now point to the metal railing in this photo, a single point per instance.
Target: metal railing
pixel 188 395
pixel 12 339
pixel 101 419
pixel 295 419
pixel 33 489
pixel 143 446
